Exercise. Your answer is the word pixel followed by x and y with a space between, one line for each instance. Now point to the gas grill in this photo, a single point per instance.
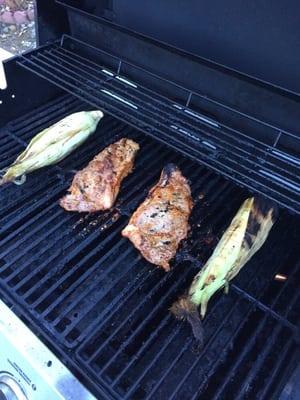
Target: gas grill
pixel 98 311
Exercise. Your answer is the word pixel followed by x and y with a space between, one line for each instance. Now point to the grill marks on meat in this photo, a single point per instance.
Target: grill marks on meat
pixel 161 221
pixel 96 187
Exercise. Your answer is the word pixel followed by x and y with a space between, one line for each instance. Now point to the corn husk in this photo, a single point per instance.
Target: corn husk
pixel 245 235
pixel 53 144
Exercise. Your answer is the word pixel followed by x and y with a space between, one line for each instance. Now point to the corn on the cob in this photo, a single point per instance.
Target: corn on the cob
pixel 241 240
pixel 53 144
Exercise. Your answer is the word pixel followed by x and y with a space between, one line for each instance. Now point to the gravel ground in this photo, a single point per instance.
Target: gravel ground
pixel 17 38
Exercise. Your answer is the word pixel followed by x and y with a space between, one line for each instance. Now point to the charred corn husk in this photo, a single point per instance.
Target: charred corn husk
pixel 53 144
pixel 242 239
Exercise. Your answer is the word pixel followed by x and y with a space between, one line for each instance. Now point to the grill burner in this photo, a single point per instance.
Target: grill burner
pixel 104 309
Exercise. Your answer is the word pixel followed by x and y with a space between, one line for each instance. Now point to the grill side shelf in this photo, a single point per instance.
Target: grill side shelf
pixel 263 166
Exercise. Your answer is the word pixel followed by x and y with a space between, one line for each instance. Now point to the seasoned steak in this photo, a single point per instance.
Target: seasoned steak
pixel 160 223
pixel 96 187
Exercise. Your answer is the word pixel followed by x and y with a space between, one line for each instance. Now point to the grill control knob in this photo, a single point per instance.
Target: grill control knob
pixel 10 389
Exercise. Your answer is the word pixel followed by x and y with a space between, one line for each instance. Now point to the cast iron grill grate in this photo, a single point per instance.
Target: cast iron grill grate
pixel 265 166
pixel 104 309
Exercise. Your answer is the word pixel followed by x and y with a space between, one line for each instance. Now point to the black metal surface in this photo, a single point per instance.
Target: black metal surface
pixel 19 97
pixel 247 37
pixel 264 166
pixel 87 292
pixel 229 87
pixel 49 28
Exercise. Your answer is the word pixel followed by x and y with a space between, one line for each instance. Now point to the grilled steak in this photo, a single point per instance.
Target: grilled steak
pixel 161 221
pixel 96 187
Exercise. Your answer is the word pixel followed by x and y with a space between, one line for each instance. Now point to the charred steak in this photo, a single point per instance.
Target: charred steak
pixel 161 221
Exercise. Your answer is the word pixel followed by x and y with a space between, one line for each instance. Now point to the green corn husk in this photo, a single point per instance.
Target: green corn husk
pixel 53 144
pixel 242 239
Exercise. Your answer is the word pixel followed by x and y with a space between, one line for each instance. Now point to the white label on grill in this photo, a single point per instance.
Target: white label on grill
pixel 119 98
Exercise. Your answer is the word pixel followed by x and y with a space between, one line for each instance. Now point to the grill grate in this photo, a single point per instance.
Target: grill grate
pixel 89 294
pixel 266 166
